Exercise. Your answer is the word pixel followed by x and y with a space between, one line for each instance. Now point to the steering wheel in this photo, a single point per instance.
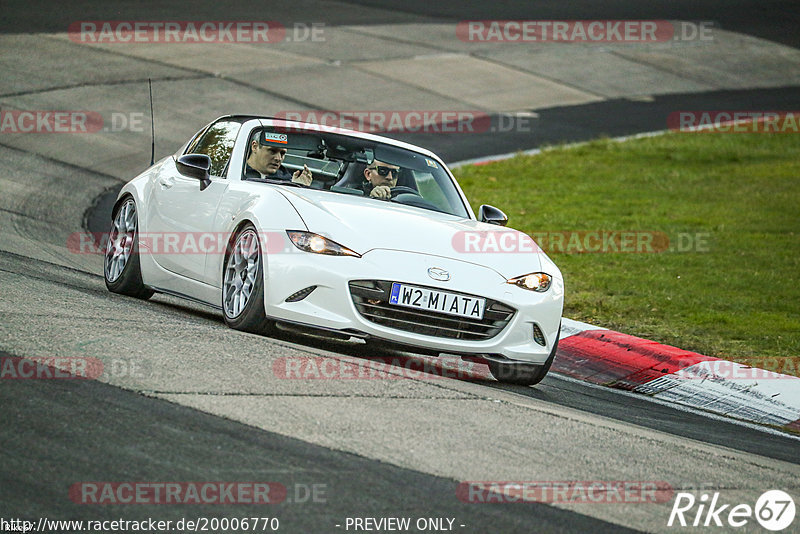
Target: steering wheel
pixel 400 189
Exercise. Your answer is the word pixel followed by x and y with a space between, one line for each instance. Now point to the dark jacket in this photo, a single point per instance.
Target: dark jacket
pixel 281 174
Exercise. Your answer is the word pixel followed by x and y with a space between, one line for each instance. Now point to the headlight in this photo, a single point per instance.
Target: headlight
pixel 539 282
pixel 308 242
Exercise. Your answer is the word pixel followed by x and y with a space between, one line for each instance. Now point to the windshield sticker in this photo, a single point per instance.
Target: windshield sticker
pixel 431 163
pixel 276 137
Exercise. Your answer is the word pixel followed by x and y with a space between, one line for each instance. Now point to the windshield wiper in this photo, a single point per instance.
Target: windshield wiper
pixel 276 181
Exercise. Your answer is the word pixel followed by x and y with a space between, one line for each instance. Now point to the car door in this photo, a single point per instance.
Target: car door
pixel 181 216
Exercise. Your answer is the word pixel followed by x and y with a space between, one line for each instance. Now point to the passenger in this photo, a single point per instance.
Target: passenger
pixel 266 158
pixel 379 178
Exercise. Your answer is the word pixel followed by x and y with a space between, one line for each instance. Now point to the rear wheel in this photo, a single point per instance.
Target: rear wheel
pixel 122 270
pixel 524 374
pixel 243 284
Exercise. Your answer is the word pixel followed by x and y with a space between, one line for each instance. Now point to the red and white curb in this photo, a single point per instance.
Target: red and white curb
pixel 670 374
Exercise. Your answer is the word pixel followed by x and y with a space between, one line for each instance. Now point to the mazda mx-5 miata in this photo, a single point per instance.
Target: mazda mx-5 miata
pixel 413 268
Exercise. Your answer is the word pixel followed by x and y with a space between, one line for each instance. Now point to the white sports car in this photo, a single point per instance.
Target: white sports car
pixel 406 264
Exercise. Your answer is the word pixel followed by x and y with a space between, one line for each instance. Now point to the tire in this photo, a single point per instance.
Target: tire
pixel 524 374
pixel 121 267
pixel 243 284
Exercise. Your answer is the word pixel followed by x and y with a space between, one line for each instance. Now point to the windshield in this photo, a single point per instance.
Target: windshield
pixel 348 165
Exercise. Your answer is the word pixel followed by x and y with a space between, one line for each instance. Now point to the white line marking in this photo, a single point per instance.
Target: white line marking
pixel 534 151
pixel 680 407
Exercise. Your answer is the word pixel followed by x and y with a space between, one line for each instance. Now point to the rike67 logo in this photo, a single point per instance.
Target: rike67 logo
pixel 774 510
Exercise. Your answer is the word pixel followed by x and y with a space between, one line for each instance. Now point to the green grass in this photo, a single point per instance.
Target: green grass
pixel 740 193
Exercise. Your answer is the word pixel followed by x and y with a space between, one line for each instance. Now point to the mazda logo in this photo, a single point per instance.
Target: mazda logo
pixel 438 274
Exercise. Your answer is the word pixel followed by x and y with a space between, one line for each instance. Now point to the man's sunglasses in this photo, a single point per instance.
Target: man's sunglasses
pixel 384 171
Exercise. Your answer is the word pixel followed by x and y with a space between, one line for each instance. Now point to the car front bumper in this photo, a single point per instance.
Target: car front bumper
pixel 330 305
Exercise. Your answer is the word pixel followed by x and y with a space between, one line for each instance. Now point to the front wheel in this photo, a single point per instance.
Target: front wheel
pixel 121 267
pixel 243 284
pixel 524 374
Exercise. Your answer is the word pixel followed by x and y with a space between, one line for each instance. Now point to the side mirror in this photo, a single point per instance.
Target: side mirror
pixel 195 166
pixel 490 214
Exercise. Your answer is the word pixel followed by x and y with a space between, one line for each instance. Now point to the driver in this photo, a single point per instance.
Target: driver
pixel 379 178
pixel 266 158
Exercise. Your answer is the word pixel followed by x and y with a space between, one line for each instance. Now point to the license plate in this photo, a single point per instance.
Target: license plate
pixel 440 301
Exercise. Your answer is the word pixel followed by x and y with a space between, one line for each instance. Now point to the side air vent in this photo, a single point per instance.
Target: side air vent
pixel 300 295
pixel 538 335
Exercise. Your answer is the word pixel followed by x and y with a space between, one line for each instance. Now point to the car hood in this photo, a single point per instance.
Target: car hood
pixel 364 224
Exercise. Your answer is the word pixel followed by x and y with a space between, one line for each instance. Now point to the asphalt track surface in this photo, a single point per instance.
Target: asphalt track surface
pixel 775 20
pixel 56 433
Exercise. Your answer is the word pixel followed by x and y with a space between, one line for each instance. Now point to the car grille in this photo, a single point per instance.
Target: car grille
pixel 371 298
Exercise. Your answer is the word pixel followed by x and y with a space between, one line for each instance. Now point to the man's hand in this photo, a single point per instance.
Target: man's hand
pixel 383 192
pixel 303 177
